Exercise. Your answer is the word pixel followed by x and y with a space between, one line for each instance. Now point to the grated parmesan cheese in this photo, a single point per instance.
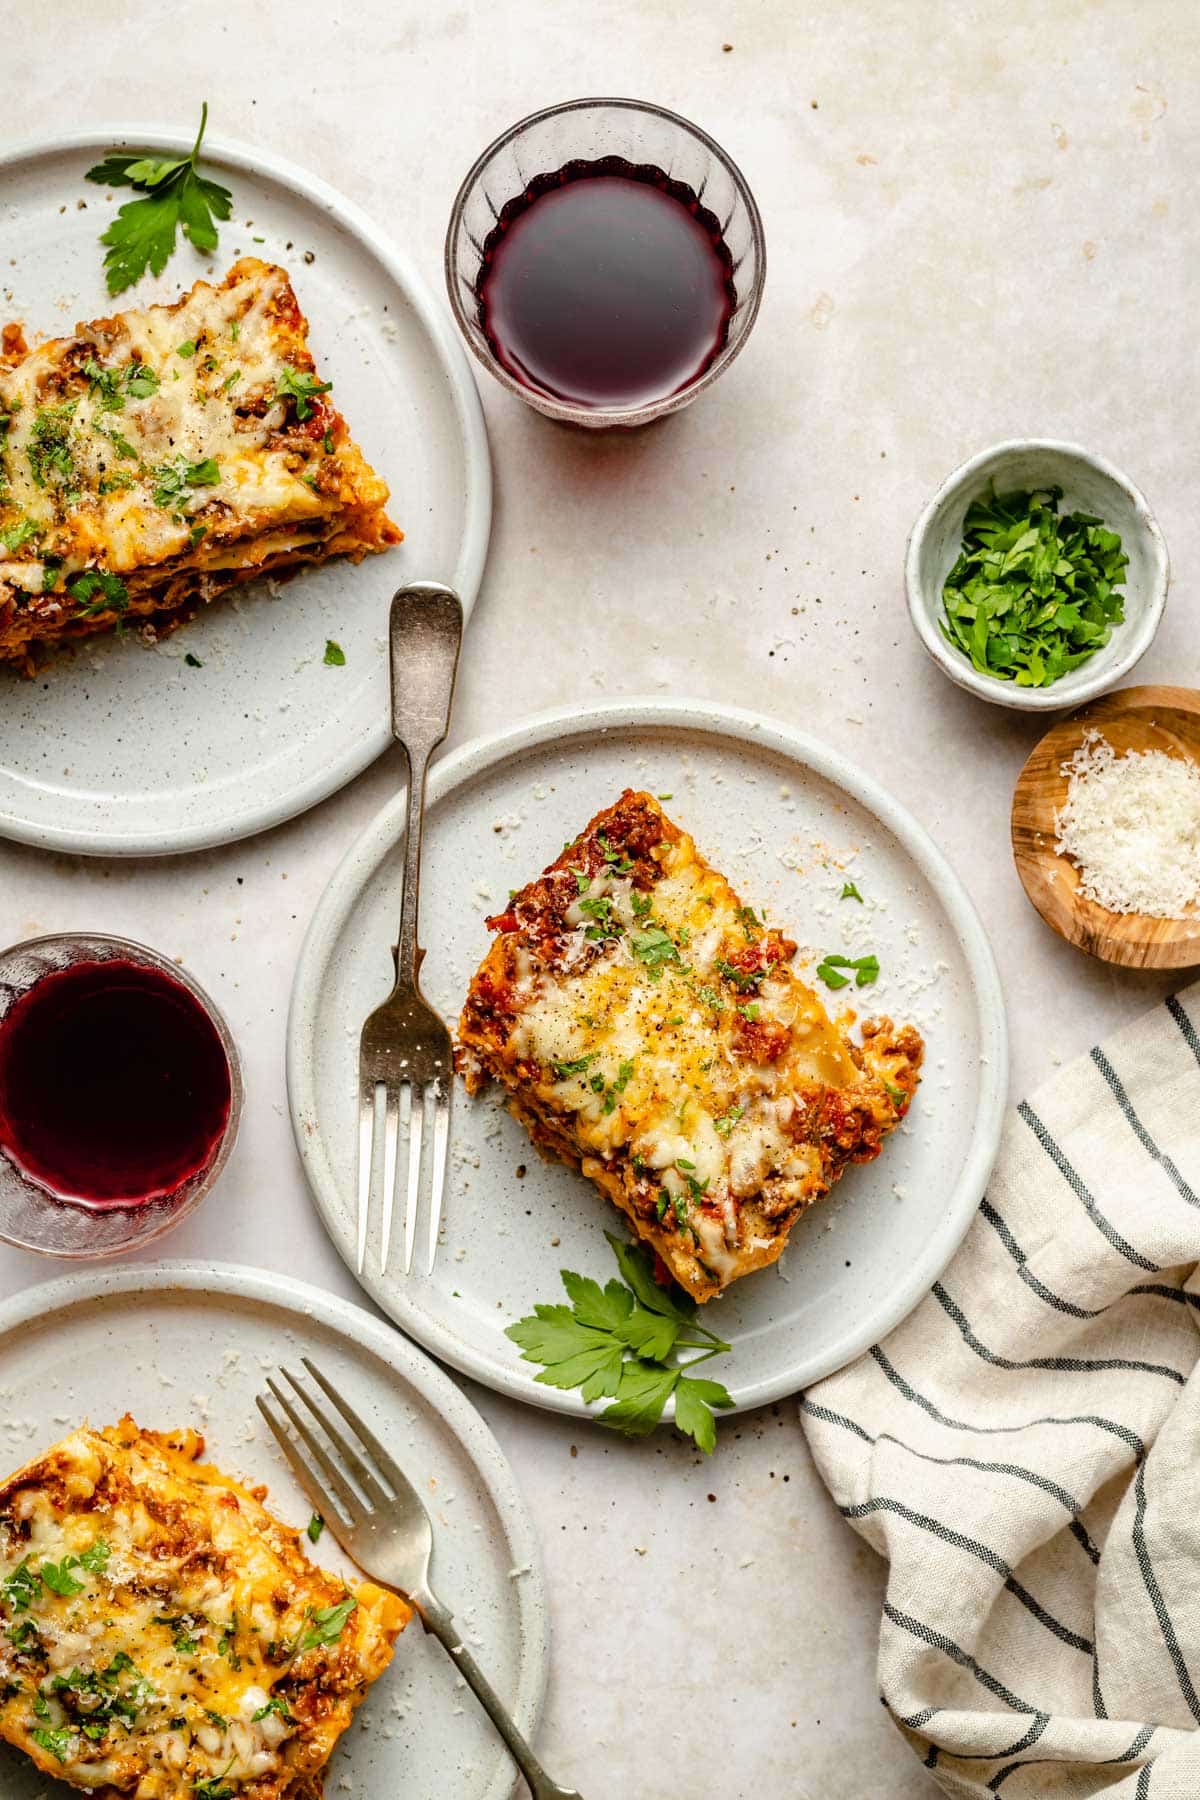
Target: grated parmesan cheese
pixel 1131 825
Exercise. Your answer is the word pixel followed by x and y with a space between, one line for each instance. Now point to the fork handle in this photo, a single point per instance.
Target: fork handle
pixel 437 1619
pixel 425 634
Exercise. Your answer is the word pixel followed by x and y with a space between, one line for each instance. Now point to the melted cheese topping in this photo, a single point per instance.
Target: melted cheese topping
pixel 159 436
pixel 642 1053
pixel 159 1629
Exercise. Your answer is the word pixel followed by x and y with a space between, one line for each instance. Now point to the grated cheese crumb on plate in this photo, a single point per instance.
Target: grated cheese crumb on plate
pixel 1131 826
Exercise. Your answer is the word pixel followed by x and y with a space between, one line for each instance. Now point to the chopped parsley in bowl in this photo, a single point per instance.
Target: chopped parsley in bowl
pixel 1037 575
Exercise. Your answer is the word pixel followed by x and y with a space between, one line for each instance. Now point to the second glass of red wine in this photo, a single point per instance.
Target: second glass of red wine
pixel 120 1095
pixel 605 261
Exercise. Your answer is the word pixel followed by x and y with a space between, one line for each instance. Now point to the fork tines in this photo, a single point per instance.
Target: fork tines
pixel 357 1476
pixel 405 1107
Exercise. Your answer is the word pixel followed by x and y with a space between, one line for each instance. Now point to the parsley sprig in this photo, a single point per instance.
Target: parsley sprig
pixel 864 969
pixel 177 196
pixel 1032 594
pixel 615 1342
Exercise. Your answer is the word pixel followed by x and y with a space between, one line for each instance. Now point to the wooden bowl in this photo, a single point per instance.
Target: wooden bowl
pixel 1136 718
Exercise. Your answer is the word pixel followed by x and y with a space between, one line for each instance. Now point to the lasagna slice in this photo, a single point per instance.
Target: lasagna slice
pixel 650 1031
pixel 156 458
pixel 162 1636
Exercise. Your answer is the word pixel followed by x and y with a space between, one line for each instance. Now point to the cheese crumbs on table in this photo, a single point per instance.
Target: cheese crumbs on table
pixel 159 457
pixel 650 1032
pixel 163 1636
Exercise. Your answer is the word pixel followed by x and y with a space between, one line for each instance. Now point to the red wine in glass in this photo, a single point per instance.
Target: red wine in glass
pixel 115 1087
pixel 607 285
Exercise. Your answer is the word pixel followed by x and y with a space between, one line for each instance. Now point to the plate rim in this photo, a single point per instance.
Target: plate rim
pixel 738 723
pixel 259 814
pixel 465 1423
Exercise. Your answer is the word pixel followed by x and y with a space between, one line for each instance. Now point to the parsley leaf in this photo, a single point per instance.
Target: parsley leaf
pixel 328 1623
pixel 694 1401
pixel 865 969
pixel 59 1579
pixel 95 1559
pixel 176 196
pixel 295 384
pixel 174 481
pixel 850 892
pixel 56 1742
pixel 97 591
pixel 1032 594
pixel 276 1704
pixel 335 656
pixel 315 1527
pixel 21 1588
pixel 19 534
pixel 562 1070
pixel 613 1343
pixel 654 947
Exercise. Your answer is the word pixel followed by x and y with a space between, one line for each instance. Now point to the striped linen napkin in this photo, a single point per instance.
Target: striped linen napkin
pixel 1025 1449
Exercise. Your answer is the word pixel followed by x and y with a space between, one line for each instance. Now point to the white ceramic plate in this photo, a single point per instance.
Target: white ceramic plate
pixel 785 819
pixel 191 1344
pixel 120 750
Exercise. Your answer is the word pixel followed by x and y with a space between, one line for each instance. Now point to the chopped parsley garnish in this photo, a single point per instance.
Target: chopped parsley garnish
pixel 195 534
pixel 57 1742
pixel 97 591
pixel 187 348
pixel 295 384
pixel 110 388
pixel 49 451
pixel 335 656
pixel 617 860
pixel 328 1623
pixel 176 196
pixel 316 1526
pixel 175 481
pixel 896 1095
pixel 600 909
pixel 1032 594
pixel 193 662
pixel 59 1579
pixel 653 946
pixel 750 1011
pixel 865 969
pixel 119 442
pixel 750 922
pixel 19 534
pixel 95 1560
pixel 276 1704
pixel 327 443
pixel 850 892
pixel 621 1342
pixel 563 1070
pixel 725 1124
pixel 21 1588
pixel 613 1093
pixel 744 980
pixel 216 1788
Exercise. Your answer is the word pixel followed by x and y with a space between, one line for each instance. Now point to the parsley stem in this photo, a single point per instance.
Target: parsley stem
pixel 717 1350
pixel 200 133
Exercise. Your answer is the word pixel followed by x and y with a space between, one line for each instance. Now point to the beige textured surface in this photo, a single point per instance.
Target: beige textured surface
pixel 983 229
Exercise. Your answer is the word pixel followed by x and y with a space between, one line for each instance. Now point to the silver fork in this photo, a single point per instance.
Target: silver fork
pixel 405 1054
pixel 381 1523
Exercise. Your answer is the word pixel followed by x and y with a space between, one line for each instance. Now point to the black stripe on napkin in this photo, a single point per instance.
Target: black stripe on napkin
pixel 1139 1130
pixel 910 1393
pixel 1074 1365
pixel 938 1641
pixel 1075 1182
pixel 982 1552
pixel 1142 1551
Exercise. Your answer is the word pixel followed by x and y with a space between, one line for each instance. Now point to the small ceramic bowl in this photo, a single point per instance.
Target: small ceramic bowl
pixel 1089 484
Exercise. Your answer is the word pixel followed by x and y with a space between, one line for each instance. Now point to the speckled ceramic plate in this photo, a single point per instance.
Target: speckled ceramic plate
pixel 191 1344
pixel 120 750
pixel 787 820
